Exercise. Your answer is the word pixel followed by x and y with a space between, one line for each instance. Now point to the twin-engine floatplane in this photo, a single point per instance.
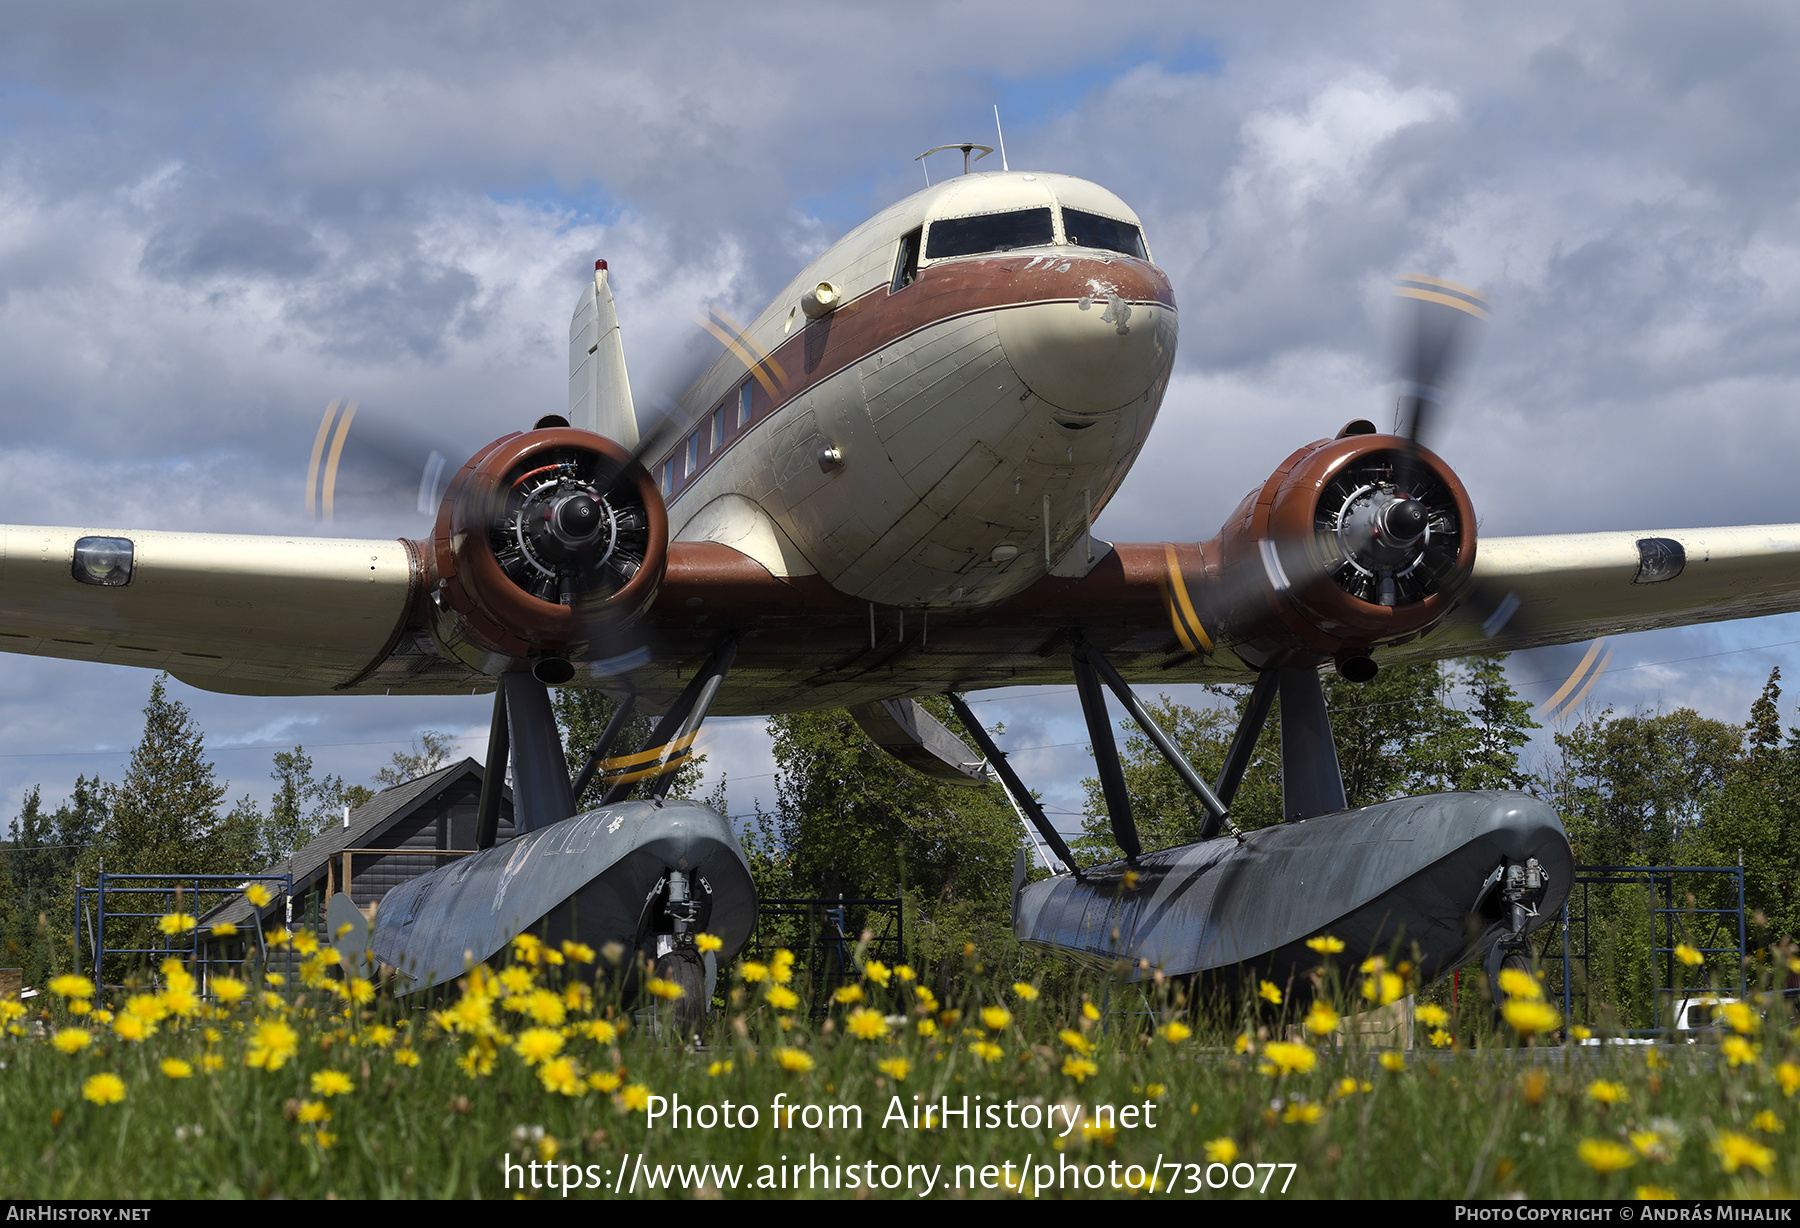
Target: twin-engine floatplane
pixel 885 487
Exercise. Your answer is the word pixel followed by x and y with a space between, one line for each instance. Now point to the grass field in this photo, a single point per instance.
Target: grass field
pixel 526 1076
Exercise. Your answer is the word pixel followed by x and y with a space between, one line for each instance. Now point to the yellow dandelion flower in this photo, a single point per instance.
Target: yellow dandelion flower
pixel 1440 1038
pixel 1432 1016
pixel 1242 1044
pixel 312 1112
pixel 1741 1151
pixel 175 1068
pixel 69 985
pixel 224 929
pixel 1321 1020
pixel 1605 1156
pixel 579 952
pixel 71 1040
pixel 1737 1050
pixel 324 1139
pixel 1281 1058
pixel 1175 1031
pixel 878 972
pixel 1647 1143
pixel 1654 1193
pixel 1578 1032
pixel 987 1051
pixel 278 939
pixel 718 1068
pixel 332 1083
pixel 77 1006
pixel 866 1024
pixel 1517 983
pixel 1304 1114
pixel 896 1068
pixel 1393 1062
pixel 599 1031
pixel 1025 992
pixel 147 1006
pixel 994 1018
pixel 538 1044
pixel 782 966
pixel 546 1006
pixel 1156 1091
pixel 709 942
pixel 1078 1068
pixel 794 1061
pixel 406 1057
pixel 560 1076
pixel 211 1063
pixel 668 991
pixel 1767 1122
pixel 229 990
pixel 904 973
pixel 306 943
pixel 273 1043
pixel 1741 1016
pixel 927 1027
pixel 1383 988
pixel 103 1089
pixel 1324 944
pixel 781 997
pixel 1269 992
pixel 258 895
pixel 848 994
pixel 1788 1075
pixel 604 1081
pixel 1688 955
pixel 176 923
pixel 133 1028
pixel 752 971
pixel 1223 1150
pixel 1075 1040
pixel 527 946
pixel 1089 1011
pixel 1602 1092
pixel 635 1098
pixel 1528 1017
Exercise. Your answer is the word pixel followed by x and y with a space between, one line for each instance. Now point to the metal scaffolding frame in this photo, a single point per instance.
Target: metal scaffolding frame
pixel 1669 926
pixel 829 945
pixel 176 891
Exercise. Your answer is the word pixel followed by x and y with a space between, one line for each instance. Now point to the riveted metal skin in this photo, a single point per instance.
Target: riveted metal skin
pixel 1314 620
pixel 483 617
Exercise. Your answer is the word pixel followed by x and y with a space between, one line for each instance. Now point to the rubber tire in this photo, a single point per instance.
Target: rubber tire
pixel 684 967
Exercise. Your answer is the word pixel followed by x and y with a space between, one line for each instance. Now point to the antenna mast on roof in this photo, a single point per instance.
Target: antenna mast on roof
pixel 1002 134
pixel 965 146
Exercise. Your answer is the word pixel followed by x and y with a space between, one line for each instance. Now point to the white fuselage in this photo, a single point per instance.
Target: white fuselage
pixel 948 432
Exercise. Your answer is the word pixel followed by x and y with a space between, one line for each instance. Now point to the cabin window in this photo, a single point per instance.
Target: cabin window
pixel 906 264
pixel 693 455
pixel 718 434
pixel 1105 233
pixel 744 405
pixel 991 232
pixel 668 476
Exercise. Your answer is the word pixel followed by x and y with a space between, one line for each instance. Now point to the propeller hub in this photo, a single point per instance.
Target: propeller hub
pixel 1403 521
pixel 578 517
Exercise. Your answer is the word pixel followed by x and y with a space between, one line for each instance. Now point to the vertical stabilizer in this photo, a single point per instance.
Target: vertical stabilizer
pixel 599 393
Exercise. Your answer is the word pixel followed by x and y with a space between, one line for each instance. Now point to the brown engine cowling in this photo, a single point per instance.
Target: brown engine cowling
pixel 1330 558
pixel 541 538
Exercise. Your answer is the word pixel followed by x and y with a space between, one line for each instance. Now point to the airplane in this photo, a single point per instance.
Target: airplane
pixel 885 488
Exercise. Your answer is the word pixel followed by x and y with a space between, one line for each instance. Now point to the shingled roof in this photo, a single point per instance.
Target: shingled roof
pixel 368 823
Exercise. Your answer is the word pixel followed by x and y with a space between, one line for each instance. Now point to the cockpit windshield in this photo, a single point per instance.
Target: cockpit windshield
pixel 1092 230
pixel 991 232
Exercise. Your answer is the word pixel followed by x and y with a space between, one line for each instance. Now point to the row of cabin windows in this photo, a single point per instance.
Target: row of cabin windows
pixel 1015 228
pixel 947 237
pixel 724 420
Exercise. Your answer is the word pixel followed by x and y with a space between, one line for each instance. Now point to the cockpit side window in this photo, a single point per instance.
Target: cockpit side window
pixel 1105 233
pixel 991 232
pixel 906 265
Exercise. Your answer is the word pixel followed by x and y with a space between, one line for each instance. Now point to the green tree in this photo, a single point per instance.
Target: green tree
pixel 302 807
pixel 429 752
pixel 852 820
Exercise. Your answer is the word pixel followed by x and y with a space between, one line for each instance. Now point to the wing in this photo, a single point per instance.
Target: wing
pixel 1576 586
pixel 248 615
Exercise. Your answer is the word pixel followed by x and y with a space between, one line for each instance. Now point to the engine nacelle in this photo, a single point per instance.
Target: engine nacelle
pixel 1331 558
pixel 543 538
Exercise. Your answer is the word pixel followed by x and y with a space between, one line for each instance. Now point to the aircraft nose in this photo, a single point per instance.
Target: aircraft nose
pixel 1098 353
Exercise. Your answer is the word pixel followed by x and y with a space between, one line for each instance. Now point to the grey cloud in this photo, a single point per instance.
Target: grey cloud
pixel 238 244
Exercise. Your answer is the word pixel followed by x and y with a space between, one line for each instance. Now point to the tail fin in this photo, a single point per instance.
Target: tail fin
pixel 599 393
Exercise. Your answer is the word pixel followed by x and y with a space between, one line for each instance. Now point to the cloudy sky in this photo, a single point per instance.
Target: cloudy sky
pixel 214 221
